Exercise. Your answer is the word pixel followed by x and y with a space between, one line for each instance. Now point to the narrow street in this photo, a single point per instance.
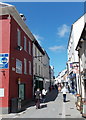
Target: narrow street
pixel 54 107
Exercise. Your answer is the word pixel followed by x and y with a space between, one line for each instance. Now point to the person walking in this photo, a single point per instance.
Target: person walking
pixel 44 92
pixel 56 87
pixel 64 91
pixel 37 98
pixel 59 88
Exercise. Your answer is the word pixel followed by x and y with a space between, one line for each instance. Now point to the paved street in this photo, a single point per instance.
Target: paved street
pixel 52 108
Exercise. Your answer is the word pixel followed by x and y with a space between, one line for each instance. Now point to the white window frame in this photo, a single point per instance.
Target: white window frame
pixel 25 66
pixel 18 37
pixel 25 43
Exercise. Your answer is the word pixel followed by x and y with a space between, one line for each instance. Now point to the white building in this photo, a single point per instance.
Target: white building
pixel 81 48
pixel 73 61
pixel 60 77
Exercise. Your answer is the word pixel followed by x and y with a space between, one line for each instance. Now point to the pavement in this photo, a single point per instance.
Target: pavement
pixel 54 107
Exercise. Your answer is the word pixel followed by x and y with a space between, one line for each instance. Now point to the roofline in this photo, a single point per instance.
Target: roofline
pixel 47 54
pixel 72 28
pixel 79 18
pixel 38 46
pixel 80 38
pixel 70 35
pixel 5 4
pixel 11 10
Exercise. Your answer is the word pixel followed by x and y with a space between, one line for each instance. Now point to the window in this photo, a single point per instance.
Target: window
pixel 29 45
pixel 30 68
pixel 25 41
pixel 41 58
pixel 18 66
pixel 39 69
pixel 25 66
pixel 35 51
pixel 38 55
pixel 35 68
pixel 18 37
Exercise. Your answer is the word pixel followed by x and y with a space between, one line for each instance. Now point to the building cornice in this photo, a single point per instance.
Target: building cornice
pixel 11 10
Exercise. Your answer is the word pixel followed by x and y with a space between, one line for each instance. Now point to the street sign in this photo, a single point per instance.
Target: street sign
pixel 4 60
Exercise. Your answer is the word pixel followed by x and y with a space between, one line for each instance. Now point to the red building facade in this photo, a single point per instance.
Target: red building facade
pixel 16 50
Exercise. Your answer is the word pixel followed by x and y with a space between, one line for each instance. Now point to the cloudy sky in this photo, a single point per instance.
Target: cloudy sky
pixel 50 22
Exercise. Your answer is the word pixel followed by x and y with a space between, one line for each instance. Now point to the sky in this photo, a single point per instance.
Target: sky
pixel 50 23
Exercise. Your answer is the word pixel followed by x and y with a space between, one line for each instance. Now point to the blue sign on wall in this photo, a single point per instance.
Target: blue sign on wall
pixel 4 60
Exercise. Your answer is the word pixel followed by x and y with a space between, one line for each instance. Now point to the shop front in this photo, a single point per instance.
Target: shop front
pixel 38 82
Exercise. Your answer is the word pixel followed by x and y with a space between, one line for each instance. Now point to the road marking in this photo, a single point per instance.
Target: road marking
pixel 63 110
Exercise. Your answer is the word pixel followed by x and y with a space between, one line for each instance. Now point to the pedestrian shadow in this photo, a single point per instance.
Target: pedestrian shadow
pixel 51 96
pixel 43 106
pixel 67 101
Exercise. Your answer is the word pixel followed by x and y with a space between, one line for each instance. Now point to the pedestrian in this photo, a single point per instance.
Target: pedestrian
pixel 68 88
pixel 59 88
pixel 56 87
pixel 64 91
pixel 44 92
pixel 37 98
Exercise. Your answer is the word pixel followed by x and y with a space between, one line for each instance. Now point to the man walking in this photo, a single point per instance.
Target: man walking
pixel 64 91
pixel 44 94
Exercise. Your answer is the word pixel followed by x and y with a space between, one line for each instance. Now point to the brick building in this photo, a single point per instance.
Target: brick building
pixel 16 58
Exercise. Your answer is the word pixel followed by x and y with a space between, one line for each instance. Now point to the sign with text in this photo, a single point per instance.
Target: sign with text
pixel 4 59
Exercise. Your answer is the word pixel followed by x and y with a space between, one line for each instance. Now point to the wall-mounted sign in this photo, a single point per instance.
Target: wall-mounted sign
pixel 4 59
pixel 13 69
pixel 1 92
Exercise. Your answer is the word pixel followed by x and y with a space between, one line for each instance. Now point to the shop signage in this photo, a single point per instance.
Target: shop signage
pixel 4 60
